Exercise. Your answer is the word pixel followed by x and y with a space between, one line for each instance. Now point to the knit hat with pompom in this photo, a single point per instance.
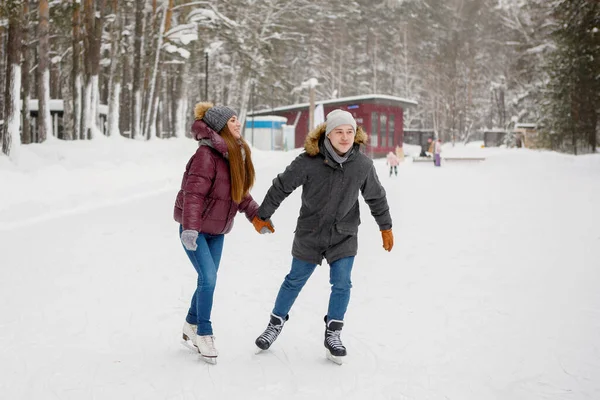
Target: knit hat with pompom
pixel 216 117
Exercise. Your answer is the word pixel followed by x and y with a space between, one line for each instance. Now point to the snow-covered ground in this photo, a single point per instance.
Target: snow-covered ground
pixel 491 291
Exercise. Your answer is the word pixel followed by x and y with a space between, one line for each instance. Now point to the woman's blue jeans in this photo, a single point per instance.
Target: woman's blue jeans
pixel 339 277
pixel 206 261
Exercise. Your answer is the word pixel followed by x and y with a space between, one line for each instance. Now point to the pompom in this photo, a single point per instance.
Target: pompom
pixel 201 109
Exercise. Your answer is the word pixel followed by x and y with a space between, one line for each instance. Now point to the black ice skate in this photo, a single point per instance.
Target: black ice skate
pixel 266 339
pixel 335 349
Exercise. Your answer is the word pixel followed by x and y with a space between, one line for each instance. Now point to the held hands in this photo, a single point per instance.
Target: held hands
pixel 261 226
pixel 188 238
pixel 388 239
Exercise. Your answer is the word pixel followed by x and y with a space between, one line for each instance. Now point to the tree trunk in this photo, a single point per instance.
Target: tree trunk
pixel 3 35
pixel 93 26
pixel 76 74
pixel 151 36
pixel 181 102
pixel 592 133
pixel 12 123
pixel 44 121
pixel 67 120
pixel 164 80
pixel 114 85
pixel 26 78
pixel 244 103
pixel 374 64
pixel 151 115
pixel 125 115
pixel 137 69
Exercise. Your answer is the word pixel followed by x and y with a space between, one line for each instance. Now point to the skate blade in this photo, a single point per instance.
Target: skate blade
pixel 209 360
pixel 190 346
pixel 336 359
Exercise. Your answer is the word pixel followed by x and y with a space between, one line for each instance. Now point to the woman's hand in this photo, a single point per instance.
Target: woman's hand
pixel 262 226
pixel 188 238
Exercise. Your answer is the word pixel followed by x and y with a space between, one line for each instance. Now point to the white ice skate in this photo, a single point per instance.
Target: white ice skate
pixel 189 332
pixel 206 348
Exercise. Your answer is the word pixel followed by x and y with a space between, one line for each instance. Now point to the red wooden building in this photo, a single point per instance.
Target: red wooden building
pixel 381 116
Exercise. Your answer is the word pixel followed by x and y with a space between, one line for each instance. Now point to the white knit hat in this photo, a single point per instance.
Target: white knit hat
pixel 337 118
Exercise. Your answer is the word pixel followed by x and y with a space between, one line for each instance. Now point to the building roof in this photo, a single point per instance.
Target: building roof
pixel 420 130
pixel 367 98
pixel 276 118
pixel 525 125
pixel 58 105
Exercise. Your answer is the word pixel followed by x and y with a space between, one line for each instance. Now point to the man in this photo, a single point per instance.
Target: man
pixel 430 150
pixel 332 171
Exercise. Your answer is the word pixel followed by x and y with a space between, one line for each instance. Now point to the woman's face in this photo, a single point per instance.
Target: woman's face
pixel 235 127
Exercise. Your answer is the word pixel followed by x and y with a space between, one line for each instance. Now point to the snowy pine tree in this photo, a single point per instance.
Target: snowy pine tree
pixel 573 101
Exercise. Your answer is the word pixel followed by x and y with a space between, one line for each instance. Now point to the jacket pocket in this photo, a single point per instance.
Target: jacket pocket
pixel 307 225
pixel 346 228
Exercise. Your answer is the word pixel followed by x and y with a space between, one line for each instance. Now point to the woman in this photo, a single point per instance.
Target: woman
pixel 437 157
pixel 215 185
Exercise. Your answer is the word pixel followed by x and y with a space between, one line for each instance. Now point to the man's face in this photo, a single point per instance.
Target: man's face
pixel 342 138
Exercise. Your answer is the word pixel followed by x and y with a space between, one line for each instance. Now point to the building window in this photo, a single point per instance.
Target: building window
pixel 392 129
pixel 374 130
pixel 383 130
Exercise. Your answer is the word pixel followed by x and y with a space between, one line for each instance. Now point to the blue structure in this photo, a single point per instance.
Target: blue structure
pixel 266 132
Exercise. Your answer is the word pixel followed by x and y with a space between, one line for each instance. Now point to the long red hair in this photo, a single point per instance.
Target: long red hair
pixel 241 169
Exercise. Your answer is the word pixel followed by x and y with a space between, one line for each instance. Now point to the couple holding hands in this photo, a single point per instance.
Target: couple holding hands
pixel 216 184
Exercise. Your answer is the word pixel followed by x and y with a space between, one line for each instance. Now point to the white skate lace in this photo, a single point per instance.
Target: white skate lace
pixel 333 339
pixel 209 341
pixel 271 333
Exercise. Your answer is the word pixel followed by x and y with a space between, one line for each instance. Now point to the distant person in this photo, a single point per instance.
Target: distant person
pixel 216 184
pixel 393 161
pixel 437 149
pixel 429 151
pixel 519 141
pixel 332 171
pixel 400 153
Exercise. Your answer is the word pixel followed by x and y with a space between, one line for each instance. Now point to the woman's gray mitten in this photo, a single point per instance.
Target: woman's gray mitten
pixel 265 229
pixel 188 238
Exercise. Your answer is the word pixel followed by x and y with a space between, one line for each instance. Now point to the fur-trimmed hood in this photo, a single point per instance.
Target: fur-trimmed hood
pixel 208 137
pixel 311 144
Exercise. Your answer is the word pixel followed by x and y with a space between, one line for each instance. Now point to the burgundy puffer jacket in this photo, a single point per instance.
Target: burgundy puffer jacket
pixel 204 202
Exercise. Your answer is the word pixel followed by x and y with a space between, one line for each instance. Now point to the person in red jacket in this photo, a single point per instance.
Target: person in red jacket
pixel 216 185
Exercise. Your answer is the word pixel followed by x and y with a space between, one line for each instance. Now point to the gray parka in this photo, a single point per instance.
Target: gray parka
pixel 329 216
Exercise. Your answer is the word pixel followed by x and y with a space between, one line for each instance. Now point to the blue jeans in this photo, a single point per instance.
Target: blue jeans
pixel 206 261
pixel 339 278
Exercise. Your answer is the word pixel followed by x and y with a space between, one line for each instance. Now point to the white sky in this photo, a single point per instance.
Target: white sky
pixel 491 290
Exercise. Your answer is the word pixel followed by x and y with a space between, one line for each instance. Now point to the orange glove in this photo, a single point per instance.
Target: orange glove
pixel 388 239
pixel 262 226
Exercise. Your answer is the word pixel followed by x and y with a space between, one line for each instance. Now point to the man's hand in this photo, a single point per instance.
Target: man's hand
pixel 388 239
